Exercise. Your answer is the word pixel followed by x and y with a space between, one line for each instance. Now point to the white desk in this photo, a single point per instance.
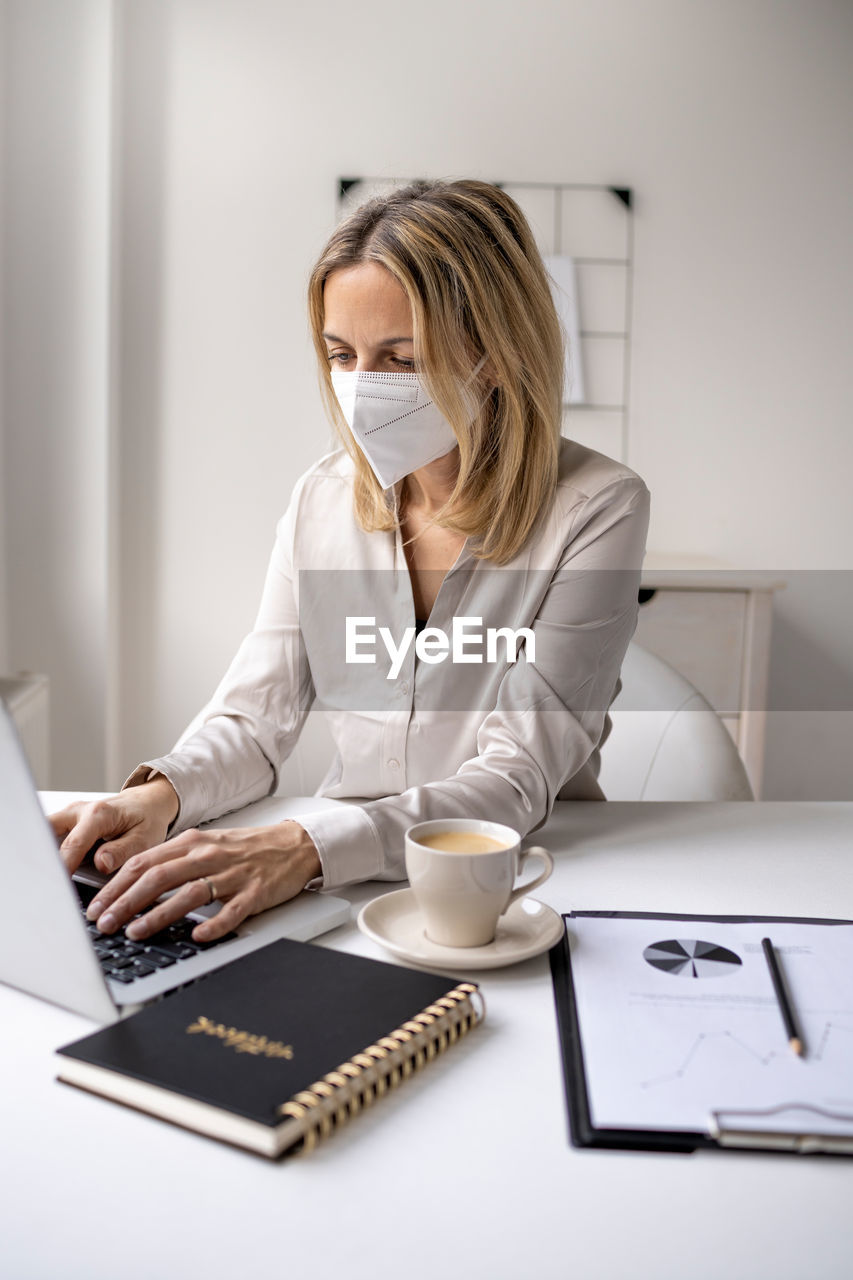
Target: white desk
pixel 466 1170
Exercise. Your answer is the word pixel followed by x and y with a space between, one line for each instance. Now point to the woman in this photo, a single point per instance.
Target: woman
pixel 454 498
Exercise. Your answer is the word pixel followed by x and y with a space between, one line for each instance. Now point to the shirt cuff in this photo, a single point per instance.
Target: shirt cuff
pixel 192 801
pixel 347 843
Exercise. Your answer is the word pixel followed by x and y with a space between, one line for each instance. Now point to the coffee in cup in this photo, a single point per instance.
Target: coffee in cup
pixel 461 842
pixel 463 873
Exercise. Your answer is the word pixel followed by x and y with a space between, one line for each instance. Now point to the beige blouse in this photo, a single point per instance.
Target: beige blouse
pixel 433 733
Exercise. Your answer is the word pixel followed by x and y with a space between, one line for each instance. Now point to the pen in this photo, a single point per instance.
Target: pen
pixel 782 998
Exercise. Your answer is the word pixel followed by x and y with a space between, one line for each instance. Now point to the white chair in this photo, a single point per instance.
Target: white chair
pixel 667 741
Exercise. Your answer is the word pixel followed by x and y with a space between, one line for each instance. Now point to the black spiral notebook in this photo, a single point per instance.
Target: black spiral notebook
pixel 277 1049
pixel 672 1037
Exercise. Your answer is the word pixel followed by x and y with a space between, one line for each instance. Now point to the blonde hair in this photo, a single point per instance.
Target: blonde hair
pixel 466 259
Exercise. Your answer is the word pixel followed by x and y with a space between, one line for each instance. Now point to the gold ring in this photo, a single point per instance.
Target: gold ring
pixel 211 889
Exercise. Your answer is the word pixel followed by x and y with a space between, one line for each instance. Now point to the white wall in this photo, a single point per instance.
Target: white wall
pixel 56 363
pixel 729 118
pixel 4 591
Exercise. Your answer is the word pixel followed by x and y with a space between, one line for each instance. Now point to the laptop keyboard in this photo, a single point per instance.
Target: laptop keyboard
pixel 124 960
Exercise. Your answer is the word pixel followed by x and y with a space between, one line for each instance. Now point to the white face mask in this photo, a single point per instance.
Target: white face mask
pixel 396 425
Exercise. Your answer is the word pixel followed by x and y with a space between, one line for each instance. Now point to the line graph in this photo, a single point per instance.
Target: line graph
pixel 828 1036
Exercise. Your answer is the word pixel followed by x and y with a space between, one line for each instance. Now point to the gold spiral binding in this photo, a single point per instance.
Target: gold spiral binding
pixel 329 1103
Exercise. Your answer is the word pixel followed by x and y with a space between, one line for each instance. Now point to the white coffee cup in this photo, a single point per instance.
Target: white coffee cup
pixel 463 887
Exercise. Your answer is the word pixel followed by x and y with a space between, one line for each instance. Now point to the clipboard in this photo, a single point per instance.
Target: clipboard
pixel 727 1130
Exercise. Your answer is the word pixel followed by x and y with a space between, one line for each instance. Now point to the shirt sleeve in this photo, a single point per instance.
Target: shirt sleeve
pixel 232 752
pixel 550 715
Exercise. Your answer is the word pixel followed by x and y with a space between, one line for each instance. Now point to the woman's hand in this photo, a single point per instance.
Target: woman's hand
pixel 127 824
pixel 248 869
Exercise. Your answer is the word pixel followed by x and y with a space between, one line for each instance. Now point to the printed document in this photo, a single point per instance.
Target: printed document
pixel 678 1020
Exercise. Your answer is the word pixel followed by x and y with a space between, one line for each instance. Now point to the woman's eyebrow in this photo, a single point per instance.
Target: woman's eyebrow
pixel 385 342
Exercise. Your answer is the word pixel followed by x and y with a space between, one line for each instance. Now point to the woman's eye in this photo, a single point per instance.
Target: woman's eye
pixel 339 357
pixel 408 365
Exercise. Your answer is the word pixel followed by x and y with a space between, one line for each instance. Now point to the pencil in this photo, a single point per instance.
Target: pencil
pixel 782 998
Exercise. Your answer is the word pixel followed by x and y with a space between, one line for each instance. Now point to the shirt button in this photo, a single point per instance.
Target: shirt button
pixel 404 687
pixel 393 764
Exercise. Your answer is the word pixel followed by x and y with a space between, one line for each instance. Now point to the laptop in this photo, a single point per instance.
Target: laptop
pixel 49 949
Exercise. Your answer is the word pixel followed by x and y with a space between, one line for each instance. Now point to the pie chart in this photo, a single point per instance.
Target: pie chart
pixel 692 958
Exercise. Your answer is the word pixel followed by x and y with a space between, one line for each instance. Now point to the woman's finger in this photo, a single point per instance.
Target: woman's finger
pixel 172 877
pixel 229 915
pixel 147 876
pixel 188 898
pixel 95 822
pixel 113 854
pixel 136 866
pixel 63 821
pixel 112 911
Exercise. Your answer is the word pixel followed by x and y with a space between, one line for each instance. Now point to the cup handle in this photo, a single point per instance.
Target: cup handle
pixel 524 889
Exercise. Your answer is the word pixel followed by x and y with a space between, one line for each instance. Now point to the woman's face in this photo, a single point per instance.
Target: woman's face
pixel 368 325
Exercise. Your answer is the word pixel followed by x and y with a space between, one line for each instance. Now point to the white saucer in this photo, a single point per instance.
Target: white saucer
pixel 527 929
